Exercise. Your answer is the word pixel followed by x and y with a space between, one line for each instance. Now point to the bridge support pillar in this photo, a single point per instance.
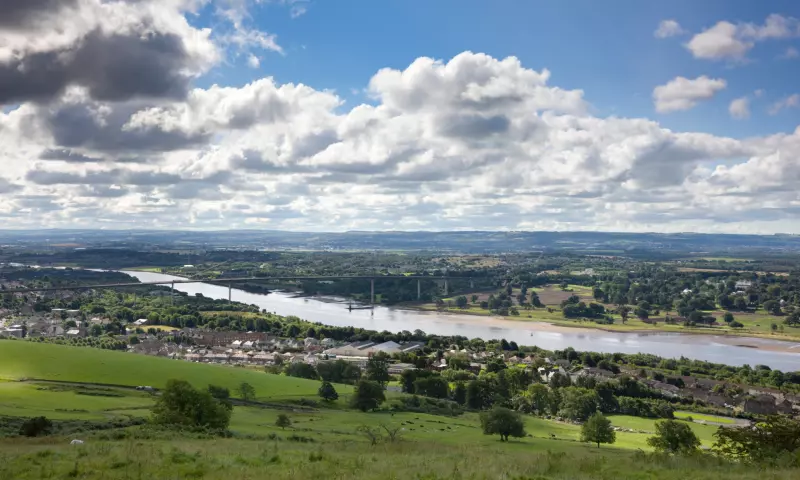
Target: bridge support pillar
pixel 372 292
pixel 419 289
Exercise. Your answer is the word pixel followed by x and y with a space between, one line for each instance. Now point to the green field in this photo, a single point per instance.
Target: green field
pixel 31 360
pixel 326 444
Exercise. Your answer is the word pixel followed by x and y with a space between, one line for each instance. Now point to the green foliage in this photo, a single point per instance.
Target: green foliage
pixel 480 394
pixel 578 403
pixel 767 441
pixel 220 393
pixel 180 404
pixel 246 392
pixel 504 422
pixel 460 393
pixel 598 429
pixel 283 421
pixel 301 370
pixel 368 395
pixel 674 437
pixel 433 386
pixel 378 368
pixel 37 426
pixel 327 392
pixel 338 371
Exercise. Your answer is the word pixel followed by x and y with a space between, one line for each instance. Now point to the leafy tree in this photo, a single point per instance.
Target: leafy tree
pixel 461 301
pixel 432 386
pixel 220 393
pixel 597 429
pixel 558 380
pixel 34 427
pixel 623 311
pixel 474 299
pixel 480 394
pixel 301 370
pixel 764 441
pixel 458 362
pixel 378 368
pixel 673 436
pixel 283 421
pixel 134 340
pixel 496 364
pixel 338 371
pixel 578 403
pixel 460 393
pixel 183 405
pixel 540 398
pixel 246 392
pixel 327 392
pixel 728 317
pixel 368 395
pixel 772 307
pixel 503 422
pixel 739 303
pixel 736 324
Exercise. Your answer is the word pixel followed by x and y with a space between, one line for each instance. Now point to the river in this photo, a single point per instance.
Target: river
pixel 731 350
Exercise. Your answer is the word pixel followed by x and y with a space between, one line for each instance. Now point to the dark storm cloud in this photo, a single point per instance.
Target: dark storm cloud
pixel 18 13
pixel 77 125
pixel 473 126
pixel 111 67
pixel 66 155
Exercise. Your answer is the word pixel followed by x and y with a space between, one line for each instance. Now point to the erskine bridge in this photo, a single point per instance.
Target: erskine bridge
pixel 230 281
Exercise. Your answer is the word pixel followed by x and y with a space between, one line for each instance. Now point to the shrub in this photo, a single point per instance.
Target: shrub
pixel 34 427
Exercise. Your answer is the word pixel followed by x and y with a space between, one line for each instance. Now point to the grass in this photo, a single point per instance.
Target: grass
pixel 705 418
pixel 704 432
pixel 22 359
pixel 431 447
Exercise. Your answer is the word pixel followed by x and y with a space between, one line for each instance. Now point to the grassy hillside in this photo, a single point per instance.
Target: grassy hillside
pixel 30 360
pixel 320 443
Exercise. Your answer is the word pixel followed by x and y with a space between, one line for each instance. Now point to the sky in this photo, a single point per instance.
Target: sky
pixel 317 115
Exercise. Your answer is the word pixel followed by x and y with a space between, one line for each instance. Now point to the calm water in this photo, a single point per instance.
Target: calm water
pixel 333 311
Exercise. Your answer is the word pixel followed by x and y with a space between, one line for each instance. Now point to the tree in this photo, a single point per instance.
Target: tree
pixel 558 380
pixel 578 403
pixel 480 394
pixel 433 386
pixel 220 393
pixel 134 340
pixel 540 398
pixel 762 441
pixel 378 368
pixel 597 429
pixel 460 393
pixel 327 392
pixel 673 436
pixel 182 405
pixel 461 301
pixel 772 307
pixel 33 427
pixel 739 303
pixel 503 422
pixel 728 317
pixel 283 421
pixel 474 299
pixel 368 395
pixel 338 371
pixel 623 311
pixel 301 370
pixel 246 392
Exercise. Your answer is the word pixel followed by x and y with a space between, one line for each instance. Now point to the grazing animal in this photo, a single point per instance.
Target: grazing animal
pixel 76 442
pixel 552 435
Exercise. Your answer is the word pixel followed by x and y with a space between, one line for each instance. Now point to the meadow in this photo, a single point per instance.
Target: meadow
pixel 322 441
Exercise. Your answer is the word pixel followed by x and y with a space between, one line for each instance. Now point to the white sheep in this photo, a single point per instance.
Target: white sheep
pixel 76 442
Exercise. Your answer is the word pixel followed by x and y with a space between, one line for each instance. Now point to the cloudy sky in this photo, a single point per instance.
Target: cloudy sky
pixel 322 115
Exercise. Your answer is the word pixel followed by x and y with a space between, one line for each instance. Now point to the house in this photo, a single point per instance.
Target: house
pixel 743 284
pixel 74 332
pixel 398 368
pixel 73 313
pixel 140 322
pixel 367 349
pixel 12 332
pixel 666 389
pixel 760 404
pixel 310 341
pixel 328 342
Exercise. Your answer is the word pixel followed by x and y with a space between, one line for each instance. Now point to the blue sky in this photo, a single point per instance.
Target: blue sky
pixel 214 114
pixel 605 48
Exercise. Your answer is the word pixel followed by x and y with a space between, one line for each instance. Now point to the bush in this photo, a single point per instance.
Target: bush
pixel 34 427
pixel 180 404
pixel 327 392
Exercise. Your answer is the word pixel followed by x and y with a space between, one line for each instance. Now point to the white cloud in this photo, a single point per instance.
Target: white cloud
pixel 253 61
pixel 790 53
pixel 471 142
pixel 791 101
pixel 740 108
pixel 728 41
pixel 668 28
pixel 682 93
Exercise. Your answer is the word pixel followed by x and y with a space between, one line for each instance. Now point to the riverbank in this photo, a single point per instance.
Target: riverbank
pixel 633 326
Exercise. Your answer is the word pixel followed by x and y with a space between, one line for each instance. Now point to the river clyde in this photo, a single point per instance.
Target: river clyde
pixel 731 350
